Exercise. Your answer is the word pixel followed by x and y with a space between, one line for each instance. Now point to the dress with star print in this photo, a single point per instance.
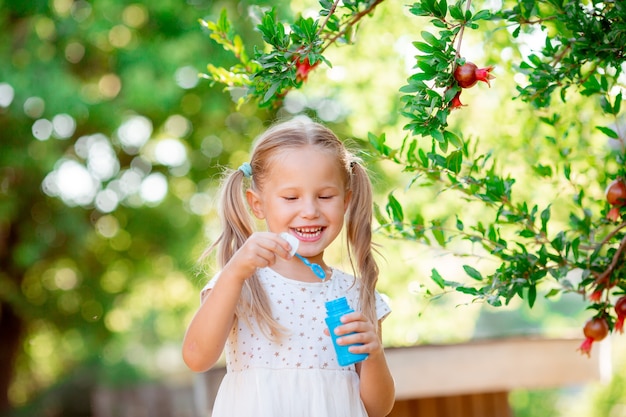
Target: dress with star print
pixel 298 375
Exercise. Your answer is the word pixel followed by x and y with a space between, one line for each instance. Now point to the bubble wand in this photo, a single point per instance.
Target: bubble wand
pixel 294 242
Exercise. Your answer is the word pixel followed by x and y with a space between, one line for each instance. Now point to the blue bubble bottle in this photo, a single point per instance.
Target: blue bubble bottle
pixel 334 310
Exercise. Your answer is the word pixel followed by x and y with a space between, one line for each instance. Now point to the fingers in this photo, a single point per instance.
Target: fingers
pixel 261 250
pixel 359 332
pixel 272 244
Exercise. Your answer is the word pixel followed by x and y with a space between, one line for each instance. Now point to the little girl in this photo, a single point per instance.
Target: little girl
pixel 267 307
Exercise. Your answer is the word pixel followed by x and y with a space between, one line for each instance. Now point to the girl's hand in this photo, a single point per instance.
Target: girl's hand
pixel 364 334
pixel 259 251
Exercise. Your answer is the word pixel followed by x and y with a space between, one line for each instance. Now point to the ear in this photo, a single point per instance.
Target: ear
pixel 255 203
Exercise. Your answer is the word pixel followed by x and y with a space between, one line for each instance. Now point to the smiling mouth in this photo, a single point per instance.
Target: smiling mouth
pixel 308 232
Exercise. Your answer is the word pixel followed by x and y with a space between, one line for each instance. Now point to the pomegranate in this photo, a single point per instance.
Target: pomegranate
pixel 469 74
pixel 620 309
pixel 595 330
pixel 615 193
pixel 455 103
pixel 303 67
pixel 613 214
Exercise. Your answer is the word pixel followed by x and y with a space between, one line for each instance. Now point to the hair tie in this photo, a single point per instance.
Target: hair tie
pixel 246 168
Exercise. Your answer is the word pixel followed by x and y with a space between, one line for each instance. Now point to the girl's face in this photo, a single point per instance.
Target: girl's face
pixel 304 195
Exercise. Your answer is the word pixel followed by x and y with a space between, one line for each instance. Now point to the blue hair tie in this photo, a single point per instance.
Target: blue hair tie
pixel 246 168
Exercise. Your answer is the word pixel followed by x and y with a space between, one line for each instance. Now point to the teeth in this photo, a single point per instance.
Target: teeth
pixel 309 231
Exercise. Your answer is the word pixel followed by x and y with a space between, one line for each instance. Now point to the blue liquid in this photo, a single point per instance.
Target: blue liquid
pixel 335 310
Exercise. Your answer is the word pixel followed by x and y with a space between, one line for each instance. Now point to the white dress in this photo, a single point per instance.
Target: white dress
pixel 300 376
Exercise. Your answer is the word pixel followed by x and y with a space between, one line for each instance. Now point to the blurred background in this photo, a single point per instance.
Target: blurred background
pixel 111 148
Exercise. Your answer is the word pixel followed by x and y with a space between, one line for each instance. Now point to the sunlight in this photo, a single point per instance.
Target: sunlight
pixel 34 107
pixel 170 152
pixel 186 77
pixel 107 201
pixel 72 182
pixel 64 126
pixel 154 188
pixel 134 133
pixel 6 95
pixel 42 129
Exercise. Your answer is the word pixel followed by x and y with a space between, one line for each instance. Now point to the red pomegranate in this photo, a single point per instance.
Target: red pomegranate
pixel 595 330
pixel 615 193
pixel 620 309
pixel 469 74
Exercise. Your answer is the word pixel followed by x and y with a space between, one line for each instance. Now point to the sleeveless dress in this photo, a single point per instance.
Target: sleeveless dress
pixel 299 376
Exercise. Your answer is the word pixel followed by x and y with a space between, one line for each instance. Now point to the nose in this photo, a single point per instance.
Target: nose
pixel 310 208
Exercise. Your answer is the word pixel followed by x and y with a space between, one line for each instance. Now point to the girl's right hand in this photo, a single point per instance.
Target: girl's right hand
pixel 261 250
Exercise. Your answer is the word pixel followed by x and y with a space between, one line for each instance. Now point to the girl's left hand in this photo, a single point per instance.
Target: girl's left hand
pixel 364 334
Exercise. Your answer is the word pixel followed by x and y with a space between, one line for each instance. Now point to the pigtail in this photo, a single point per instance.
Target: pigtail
pixel 237 227
pixel 236 222
pixel 359 237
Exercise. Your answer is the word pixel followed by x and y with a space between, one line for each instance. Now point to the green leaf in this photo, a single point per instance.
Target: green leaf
pixel 545 217
pixel 532 295
pixel 473 273
pixel 437 135
pixel 438 234
pixel 552 293
pixel 606 106
pixel 468 290
pixel 270 92
pixel 430 38
pixel 543 170
pixel 424 47
pixel 558 242
pixel 378 215
pixel 591 86
pixel 378 142
pixel 575 245
pixel 456 12
pixel 454 161
pixel 482 15
pixel 452 138
pixel 608 131
pixel 394 208
pixel 527 233
pixel 443 8
pixel 434 275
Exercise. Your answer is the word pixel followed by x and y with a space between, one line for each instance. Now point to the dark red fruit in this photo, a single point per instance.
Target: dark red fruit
pixel 595 330
pixel 468 74
pixel 616 193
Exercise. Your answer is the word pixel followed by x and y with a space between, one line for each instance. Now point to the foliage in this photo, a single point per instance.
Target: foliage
pixel 98 223
pixel 100 278
pixel 291 53
pixel 583 50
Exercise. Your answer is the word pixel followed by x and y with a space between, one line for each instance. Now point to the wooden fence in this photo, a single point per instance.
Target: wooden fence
pixel 461 380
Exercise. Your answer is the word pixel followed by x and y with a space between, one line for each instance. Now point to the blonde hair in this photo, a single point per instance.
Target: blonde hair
pixel 238 224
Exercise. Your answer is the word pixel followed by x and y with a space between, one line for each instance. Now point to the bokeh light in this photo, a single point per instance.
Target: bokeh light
pixel 134 133
pixel 6 94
